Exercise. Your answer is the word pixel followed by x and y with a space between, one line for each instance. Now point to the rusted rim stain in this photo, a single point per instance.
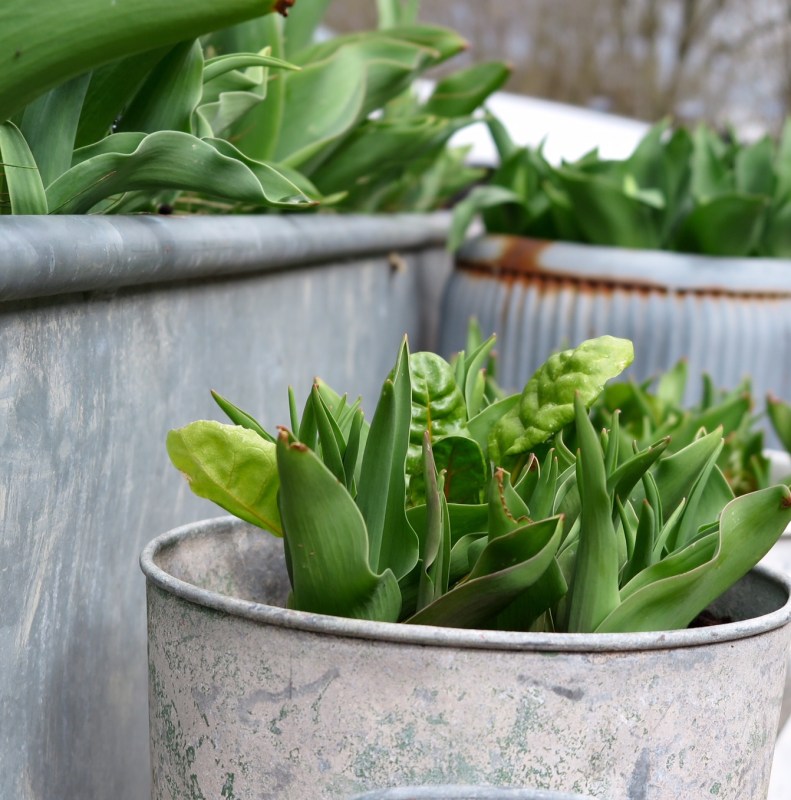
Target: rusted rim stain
pixel 514 259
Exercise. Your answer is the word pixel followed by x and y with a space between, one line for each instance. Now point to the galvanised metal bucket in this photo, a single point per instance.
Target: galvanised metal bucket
pixel 249 699
pixel 466 793
pixel 726 316
pixel 779 557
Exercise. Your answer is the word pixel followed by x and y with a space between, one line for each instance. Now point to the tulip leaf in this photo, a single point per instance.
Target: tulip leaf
pixel 463 91
pixel 382 487
pixel 165 160
pixel 23 180
pixel 670 594
pixel 780 417
pixel 49 126
pixel 241 418
pixel 506 567
pixel 594 593
pixel 232 466
pixel 726 225
pixel 328 543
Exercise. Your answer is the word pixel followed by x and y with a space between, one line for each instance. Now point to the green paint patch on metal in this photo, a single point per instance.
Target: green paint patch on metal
pixel 715 788
pixel 227 788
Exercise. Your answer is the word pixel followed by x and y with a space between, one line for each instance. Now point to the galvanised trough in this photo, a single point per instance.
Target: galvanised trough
pixel 251 698
pixel 112 330
pixel 727 316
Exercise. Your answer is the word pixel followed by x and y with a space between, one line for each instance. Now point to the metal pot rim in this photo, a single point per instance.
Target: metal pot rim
pixel 438 636
pixel 467 793
pixel 659 270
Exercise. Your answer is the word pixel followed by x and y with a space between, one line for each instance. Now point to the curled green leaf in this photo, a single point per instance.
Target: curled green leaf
pixel 547 401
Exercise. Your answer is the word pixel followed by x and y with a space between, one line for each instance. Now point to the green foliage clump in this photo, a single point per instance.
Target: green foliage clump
pixel 255 116
pixel 460 505
pixel 686 190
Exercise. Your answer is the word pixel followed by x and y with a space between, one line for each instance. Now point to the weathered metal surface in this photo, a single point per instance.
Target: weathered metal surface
pixel 730 317
pixel 466 793
pixel 43 256
pixel 90 383
pixel 274 703
pixel 779 557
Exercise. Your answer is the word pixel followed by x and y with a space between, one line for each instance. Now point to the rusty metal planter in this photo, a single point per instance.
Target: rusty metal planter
pixel 727 316
pixel 249 697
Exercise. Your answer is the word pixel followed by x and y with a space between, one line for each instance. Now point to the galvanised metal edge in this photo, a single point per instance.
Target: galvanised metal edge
pixel 42 256
pixel 466 793
pixel 445 637
pixel 649 269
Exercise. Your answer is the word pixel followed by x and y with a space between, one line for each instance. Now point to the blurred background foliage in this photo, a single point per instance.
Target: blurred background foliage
pixel 723 61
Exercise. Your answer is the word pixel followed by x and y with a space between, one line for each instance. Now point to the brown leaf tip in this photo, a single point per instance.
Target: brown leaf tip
pixel 282 6
pixel 786 502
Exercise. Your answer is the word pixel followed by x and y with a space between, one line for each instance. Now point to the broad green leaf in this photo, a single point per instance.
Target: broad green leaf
pixel 330 438
pixel 435 544
pixel 436 43
pixel 94 32
pixel 780 417
pixel 726 225
pixel 464 554
pixel 776 241
pixel 546 592
pixel 506 567
pixel 257 133
pixel 462 461
pixel 22 178
pixel 547 401
pixel 232 466
pixel 507 509
pixel 274 178
pixel 380 146
pixel 464 519
pixel 754 168
pixel 608 215
pixel 463 91
pixel 474 383
pixel 676 474
pixel 437 406
pixel 673 384
pixel 541 503
pixel 624 478
pixel 170 94
pixel 241 418
pixel 594 592
pixel 111 89
pixel 710 174
pixel 328 543
pixel 321 103
pixel 670 594
pixel 303 21
pixel 219 65
pixel 506 147
pixel 646 163
pixel 479 198
pixel 49 126
pixel 480 426
pixel 381 493
pixel 392 13
pixel 727 415
pixel 164 160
